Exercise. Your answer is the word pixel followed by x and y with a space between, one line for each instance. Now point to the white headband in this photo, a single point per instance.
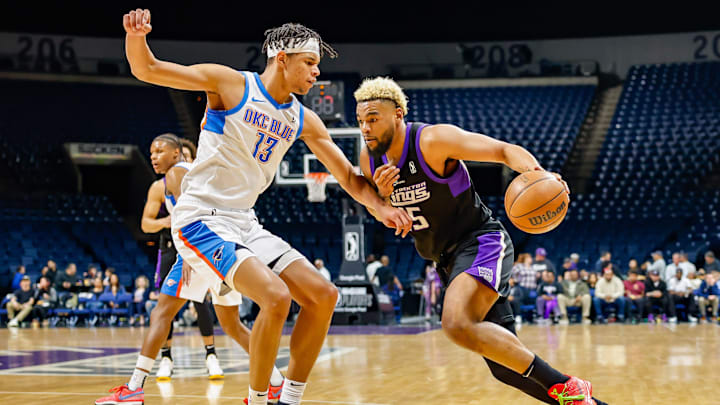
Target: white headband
pixel 307 45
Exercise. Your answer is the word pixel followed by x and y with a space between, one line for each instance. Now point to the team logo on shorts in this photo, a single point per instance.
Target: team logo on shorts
pixel 218 255
pixel 170 282
pixel 485 273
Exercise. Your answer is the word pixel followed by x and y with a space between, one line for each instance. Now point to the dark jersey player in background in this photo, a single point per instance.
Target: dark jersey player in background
pixel 419 168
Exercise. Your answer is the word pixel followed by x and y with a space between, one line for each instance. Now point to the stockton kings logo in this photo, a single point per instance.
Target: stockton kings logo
pixel 410 195
pixel 352 246
pixel 486 273
pixel 218 255
pixel 548 215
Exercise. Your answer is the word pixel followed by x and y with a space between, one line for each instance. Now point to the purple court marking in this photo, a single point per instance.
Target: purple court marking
pixel 42 357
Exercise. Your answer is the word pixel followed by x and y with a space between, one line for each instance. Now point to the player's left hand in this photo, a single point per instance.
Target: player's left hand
pixel 384 178
pixel 395 218
pixel 186 272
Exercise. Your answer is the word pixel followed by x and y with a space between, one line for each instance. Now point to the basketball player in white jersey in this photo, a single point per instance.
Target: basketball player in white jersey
pixel 250 123
pixel 167 159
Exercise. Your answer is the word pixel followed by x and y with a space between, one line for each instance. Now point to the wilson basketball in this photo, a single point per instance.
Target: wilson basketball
pixel 536 202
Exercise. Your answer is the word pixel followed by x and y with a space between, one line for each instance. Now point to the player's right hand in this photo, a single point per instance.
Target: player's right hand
pixel 395 218
pixel 137 22
pixel 186 273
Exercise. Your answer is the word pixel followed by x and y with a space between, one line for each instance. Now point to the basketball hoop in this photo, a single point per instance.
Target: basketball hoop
pixel 316 182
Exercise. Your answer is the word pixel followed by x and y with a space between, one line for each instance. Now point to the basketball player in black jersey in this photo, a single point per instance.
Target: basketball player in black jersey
pixel 420 168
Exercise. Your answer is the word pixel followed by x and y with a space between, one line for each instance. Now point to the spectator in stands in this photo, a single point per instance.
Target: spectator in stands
pixel 657 297
pixel 524 273
pixel 602 262
pixel 708 294
pixel 152 301
pixel 575 294
pixel 431 290
pixel 541 262
pixel 320 266
pixel 711 264
pixel 385 276
pixel 567 265
pixel 634 296
pixel 575 258
pixel 66 285
pixel 671 268
pixel 681 293
pixel 585 276
pixel 140 295
pixel 592 281
pixel 52 271
pixel 687 266
pixel 21 302
pixel 92 272
pixel 658 263
pixel 45 299
pixel 547 299
pixel 609 292
pixel 633 266
pixel 19 274
pixel 108 272
pixel 516 297
pixel 95 292
pixel 372 265
pixel 694 280
pixel 114 288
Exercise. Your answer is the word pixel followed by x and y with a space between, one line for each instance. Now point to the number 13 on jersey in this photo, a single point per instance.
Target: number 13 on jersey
pixel 269 144
pixel 419 221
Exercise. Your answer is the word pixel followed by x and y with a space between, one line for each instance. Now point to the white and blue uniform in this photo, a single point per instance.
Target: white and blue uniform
pixel 172 285
pixel 213 224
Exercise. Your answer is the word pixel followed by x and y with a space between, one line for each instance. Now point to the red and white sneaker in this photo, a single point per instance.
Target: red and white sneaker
pixel 123 396
pixel 274 392
pixel 574 392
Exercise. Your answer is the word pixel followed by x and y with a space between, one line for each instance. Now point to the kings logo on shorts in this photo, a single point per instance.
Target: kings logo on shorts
pixel 218 255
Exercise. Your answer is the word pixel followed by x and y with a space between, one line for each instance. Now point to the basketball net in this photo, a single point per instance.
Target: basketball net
pixel 316 182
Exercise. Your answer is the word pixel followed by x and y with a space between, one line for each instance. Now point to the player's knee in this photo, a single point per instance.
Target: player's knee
pixel 456 327
pixel 327 299
pixel 278 303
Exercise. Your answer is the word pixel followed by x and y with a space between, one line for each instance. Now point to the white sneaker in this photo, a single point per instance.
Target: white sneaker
pixel 213 367
pixel 564 322
pixel 165 369
pixel 672 319
pixel 13 323
pixel 518 319
pixel 692 319
pixel 587 321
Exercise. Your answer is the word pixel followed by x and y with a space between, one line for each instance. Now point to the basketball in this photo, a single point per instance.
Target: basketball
pixel 536 202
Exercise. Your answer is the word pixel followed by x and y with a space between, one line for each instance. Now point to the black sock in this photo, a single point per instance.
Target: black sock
pixel 166 352
pixel 599 402
pixel 210 349
pixel 543 374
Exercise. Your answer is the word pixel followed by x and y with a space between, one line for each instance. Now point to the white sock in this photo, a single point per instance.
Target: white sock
pixel 137 380
pixel 276 378
pixel 257 397
pixel 292 392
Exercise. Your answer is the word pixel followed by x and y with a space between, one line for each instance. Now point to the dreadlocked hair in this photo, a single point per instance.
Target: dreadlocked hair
pixel 281 36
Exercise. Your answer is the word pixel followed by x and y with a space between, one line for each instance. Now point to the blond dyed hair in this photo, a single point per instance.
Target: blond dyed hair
pixel 382 88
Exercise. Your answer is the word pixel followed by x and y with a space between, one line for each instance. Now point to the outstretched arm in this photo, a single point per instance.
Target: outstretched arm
pixel 146 67
pixel 318 139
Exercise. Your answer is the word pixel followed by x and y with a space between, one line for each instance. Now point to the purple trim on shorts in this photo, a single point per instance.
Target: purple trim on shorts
pixel 372 164
pixel 157 270
pixel 406 145
pixel 490 252
pixel 458 181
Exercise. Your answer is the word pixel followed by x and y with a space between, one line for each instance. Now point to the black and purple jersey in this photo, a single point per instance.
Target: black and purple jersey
pixel 443 209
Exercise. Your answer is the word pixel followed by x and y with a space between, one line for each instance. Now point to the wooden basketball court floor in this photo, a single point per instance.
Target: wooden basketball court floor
pixel 628 364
